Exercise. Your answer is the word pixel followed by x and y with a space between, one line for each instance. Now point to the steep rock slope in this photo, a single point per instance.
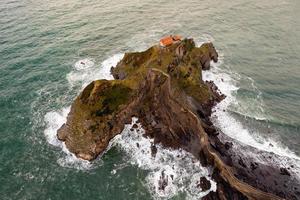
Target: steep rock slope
pixel 163 88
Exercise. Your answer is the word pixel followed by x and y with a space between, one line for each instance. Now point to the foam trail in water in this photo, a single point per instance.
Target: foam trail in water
pixel 83 76
pixel 178 168
pixel 84 72
pixel 54 121
pixel 222 118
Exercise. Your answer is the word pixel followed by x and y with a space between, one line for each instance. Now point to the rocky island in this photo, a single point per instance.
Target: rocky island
pixel 163 88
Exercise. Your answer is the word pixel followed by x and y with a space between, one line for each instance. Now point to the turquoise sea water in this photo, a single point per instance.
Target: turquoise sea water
pixel 40 42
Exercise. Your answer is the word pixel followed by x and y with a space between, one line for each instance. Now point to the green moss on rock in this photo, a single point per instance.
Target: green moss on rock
pixel 96 114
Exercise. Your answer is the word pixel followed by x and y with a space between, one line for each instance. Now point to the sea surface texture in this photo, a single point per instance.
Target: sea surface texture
pixel 50 50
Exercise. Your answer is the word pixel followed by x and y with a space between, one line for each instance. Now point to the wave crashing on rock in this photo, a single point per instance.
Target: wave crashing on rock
pixel 164 89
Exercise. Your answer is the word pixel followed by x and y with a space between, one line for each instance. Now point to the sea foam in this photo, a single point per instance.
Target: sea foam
pixel 180 169
pixel 223 119
pixel 84 71
pixel 54 120
pixel 83 76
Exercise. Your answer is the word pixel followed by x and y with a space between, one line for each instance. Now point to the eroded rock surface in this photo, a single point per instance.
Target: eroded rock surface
pixel 163 87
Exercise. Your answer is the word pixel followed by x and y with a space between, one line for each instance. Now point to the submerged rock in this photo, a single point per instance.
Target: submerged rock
pixel 204 184
pixel 163 88
pixel 163 181
pixel 153 150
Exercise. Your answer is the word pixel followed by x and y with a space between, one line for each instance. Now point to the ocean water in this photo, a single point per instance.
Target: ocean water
pixel 42 45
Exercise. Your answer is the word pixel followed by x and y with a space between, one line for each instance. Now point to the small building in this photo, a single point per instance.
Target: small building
pixel 168 40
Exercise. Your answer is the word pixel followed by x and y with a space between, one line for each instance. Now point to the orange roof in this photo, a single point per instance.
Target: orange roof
pixel 168 40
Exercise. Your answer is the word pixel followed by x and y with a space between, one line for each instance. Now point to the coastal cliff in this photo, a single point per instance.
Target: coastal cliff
pixel 163 88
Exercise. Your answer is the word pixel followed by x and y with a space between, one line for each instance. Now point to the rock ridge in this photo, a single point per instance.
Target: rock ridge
pixel 163 88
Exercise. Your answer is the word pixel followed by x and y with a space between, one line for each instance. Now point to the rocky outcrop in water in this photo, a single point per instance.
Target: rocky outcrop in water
pixel 163 88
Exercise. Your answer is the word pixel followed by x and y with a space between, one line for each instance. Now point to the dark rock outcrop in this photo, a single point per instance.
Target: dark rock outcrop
pixel 204 184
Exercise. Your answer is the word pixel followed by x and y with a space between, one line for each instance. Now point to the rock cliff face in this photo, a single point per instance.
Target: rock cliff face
pixel 164 89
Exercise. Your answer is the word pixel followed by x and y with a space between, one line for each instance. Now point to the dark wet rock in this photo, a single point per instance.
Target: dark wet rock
pixel 172 176
pixel 218 96
pixel 205 59
pixel 253 165
pixel 242 163
pixel 153 150
pixel 228 145
pixel 163 181
pixel 271 145
pixel 204 184
pixel 210 129
pixel 284 171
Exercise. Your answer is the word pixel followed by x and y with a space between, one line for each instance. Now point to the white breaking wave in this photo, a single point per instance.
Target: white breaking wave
pixel 83 76
pixel 84 72
pixel 178 168
pixel 181 170
pixel 223 119
pixel 251 106
pixel 54 121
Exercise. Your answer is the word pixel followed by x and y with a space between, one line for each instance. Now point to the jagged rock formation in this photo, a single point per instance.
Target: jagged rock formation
pixel 164 89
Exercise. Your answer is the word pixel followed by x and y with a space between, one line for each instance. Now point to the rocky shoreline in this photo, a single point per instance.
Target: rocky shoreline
pixel 163 88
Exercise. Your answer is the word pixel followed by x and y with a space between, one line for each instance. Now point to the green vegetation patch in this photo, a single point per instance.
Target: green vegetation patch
pixel 114 96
